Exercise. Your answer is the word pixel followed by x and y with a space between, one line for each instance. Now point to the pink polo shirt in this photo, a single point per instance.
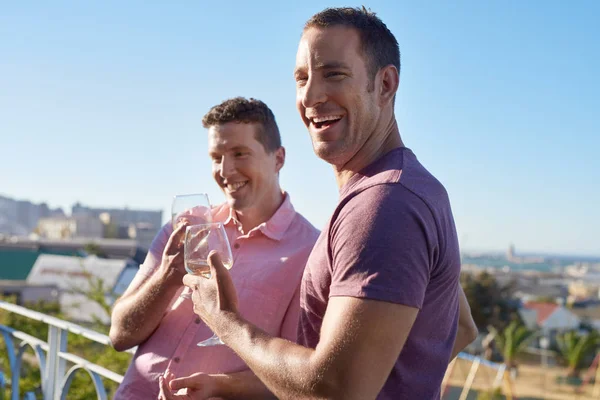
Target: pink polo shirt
pixel 268 266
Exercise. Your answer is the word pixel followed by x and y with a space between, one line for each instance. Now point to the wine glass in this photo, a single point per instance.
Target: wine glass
pixel 195 208
pixel 200 240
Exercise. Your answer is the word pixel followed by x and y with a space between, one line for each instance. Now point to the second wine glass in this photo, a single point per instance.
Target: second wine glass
pixel 195 209
pixel 200 240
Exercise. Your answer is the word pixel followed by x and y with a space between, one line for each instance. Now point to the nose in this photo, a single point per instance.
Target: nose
pixel 227 167
pixel 313 93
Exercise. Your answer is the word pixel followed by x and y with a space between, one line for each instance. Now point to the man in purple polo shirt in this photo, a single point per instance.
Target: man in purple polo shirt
pixel 270 245
pixel 382 311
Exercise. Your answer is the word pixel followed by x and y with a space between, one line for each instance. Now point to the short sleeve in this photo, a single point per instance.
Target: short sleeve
pixel 155 252
pixel 381 246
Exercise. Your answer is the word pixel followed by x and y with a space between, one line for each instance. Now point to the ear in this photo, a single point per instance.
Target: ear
pixel 279 158
pixel 390 80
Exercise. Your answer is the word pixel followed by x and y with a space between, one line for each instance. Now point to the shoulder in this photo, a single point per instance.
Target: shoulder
pixel 382 200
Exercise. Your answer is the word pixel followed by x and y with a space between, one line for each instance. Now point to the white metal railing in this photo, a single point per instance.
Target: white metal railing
pixel 52 355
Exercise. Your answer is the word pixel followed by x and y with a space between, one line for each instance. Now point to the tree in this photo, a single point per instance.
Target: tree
pixel 511 341
pixel 97 291
pixel 575 347
pixel 93 249
pixel 491 303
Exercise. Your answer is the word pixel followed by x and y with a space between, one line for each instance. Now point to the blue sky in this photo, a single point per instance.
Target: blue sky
pixel 101 102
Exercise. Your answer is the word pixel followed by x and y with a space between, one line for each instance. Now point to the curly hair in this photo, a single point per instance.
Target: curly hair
pixel 247 111
pixel 379 45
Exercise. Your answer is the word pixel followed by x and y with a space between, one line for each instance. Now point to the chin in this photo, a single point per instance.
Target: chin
pixel 328 152
pixel 236 204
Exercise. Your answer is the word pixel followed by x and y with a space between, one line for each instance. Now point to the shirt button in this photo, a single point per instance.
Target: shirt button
pixel 176 359
pixel 236 246
pixel 197 320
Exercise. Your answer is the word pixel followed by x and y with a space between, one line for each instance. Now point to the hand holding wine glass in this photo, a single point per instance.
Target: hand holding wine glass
pixel 189 209
pixel 200 240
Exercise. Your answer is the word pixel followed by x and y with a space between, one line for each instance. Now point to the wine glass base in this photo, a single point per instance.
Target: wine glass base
pixel 213 341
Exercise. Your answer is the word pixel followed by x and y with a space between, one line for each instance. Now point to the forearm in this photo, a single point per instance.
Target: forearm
pixel 467 330
pixel 241 385
pixel 465 335
pixel 137 315
pixel 459 345
pixel 288 370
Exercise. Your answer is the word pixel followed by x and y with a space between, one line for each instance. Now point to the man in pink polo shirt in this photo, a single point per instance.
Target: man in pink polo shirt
pixel 270 245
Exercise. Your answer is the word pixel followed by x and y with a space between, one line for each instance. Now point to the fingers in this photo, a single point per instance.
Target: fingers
pixel 176 238
pixel 191 281
pixel 195 381
pixel 215 263
pixel 165 393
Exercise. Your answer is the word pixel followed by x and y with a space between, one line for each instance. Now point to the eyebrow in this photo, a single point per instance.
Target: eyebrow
pixel 324 66
pixel 235 148
pixel 331 65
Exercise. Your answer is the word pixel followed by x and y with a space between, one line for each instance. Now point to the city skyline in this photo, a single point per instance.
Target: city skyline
pixel 512 248
pixel 102 103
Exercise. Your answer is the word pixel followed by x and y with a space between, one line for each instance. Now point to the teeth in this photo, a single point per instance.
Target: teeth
pixel 327 118
pixel 235 186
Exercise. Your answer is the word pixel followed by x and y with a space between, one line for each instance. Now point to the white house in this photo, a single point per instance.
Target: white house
pixel 549 317
pixel 72 274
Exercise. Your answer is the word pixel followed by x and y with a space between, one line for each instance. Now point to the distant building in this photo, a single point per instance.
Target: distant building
pixel 143 233
pixel 122 216
pixel 141 225
pixel 51 270
pixel 26 293
pixel 72 277
pixel 531 292
pixel 18 255
pixel 549 317
pixel 81 226
pixel 510 253
pixel 582 290
pixel 20 217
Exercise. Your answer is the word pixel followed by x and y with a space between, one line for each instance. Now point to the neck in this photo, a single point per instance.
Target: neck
pixel 373 149
pixel 253 217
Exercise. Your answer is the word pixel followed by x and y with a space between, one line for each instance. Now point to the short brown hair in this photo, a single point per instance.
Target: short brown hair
pixel 379 45
pixel 247 111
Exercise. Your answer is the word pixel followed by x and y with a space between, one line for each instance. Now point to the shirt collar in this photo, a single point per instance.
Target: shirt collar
pixel 274 228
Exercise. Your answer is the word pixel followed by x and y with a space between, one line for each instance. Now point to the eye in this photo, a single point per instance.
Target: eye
pixel 216 159
pixel 240 154
pixel 301 80
pixel 334 75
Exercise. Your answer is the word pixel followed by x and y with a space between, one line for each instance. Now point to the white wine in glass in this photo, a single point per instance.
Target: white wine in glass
pixel 195 208
pixel 200 240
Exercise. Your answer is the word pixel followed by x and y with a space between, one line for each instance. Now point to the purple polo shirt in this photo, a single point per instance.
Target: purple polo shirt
pixel 392 238
pixel 267 270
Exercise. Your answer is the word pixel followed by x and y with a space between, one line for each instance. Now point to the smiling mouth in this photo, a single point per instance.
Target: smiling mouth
pixel 324 122
pixel 234 187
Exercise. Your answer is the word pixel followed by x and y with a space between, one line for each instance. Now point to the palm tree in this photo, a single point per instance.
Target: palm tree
pixel 574 348
pixel 512 340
